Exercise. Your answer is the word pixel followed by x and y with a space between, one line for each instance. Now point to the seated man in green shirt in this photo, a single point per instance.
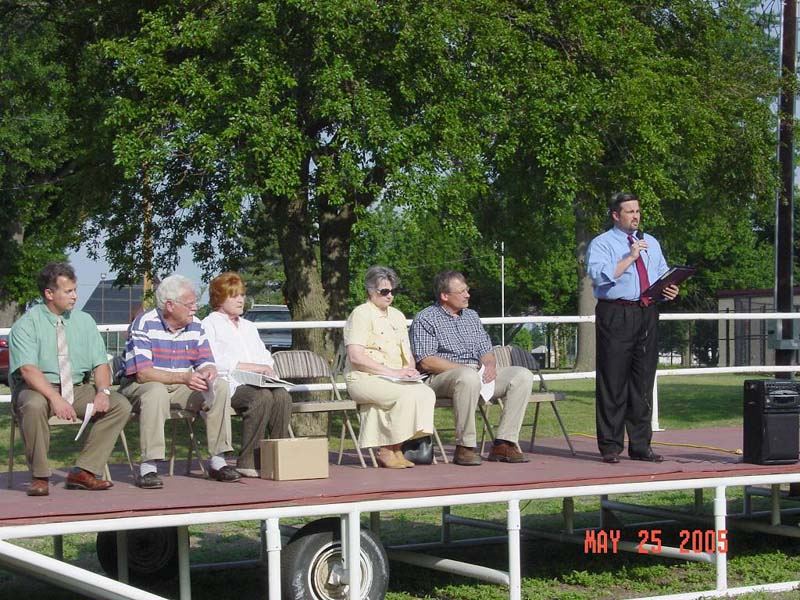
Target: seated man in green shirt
pixel 54 350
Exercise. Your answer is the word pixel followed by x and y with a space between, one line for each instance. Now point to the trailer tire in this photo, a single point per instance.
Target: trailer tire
pixel 152 553
pixel 312 558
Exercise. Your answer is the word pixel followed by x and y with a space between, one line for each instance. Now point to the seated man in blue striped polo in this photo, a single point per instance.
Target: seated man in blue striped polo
pixel 449 342
pixel 168 362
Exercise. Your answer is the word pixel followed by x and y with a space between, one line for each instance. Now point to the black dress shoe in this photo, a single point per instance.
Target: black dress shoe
pixel 649 457
pixel 151 481
pixel 611 459
pixel 226 473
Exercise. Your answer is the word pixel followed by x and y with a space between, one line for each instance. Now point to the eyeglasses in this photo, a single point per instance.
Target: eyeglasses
pixel 387 291
pixel 190 305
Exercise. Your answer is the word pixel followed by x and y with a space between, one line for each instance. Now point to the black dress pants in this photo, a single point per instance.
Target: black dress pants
pixel 627 358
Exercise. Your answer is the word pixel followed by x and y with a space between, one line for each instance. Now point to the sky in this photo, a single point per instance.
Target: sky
pixel 89 272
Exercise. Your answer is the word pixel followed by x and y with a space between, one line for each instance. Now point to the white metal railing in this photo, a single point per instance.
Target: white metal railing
pixel 351 512
pixel 727 316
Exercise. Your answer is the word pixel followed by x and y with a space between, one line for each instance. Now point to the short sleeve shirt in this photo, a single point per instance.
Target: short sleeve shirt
pixel 602 256
pixel 32 341
pixel 384 337
pixel 458 338
pixel 152 344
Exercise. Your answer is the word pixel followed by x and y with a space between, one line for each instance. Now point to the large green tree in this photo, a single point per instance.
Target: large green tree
pixel 668 99
pixel 313 110
pixel 36 150
pixel 56 166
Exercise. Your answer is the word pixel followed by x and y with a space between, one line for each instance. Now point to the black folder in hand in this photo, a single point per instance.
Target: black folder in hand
pixel 674 276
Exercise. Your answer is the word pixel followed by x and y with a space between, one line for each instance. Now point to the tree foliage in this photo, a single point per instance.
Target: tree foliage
pixel 275 135
pixel 36 148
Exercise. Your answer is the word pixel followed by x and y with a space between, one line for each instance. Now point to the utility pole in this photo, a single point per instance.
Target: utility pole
pixel 785 345
pixel 503 291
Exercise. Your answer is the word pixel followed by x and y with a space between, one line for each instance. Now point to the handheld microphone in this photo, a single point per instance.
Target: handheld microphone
pixel 640 237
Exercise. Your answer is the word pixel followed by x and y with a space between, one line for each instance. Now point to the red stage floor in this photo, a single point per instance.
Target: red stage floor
pixel 551 466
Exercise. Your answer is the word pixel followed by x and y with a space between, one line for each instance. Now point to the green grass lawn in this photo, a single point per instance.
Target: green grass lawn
pixel 550 570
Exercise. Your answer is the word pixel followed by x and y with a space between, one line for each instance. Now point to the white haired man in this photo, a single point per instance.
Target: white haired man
pixel 168 361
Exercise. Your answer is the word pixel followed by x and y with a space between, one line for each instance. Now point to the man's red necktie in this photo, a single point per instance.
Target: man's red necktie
pixel 644 281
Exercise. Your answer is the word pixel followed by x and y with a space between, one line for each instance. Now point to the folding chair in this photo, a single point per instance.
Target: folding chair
pixel 513 356
pixel 52 421
pixel 297 365
pixel 188 416
pixel 446 402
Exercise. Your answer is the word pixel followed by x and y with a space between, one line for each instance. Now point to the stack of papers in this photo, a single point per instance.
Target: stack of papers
pixel 86 418
pixel 259 379
pixel 401 379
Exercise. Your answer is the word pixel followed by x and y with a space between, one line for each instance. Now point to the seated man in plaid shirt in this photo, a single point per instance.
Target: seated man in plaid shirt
pixel 450 343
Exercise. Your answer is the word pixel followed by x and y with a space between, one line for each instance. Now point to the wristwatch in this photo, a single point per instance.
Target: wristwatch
pixel 105 391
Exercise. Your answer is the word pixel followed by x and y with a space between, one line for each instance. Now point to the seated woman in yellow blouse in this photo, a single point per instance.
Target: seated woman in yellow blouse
pixel 381 376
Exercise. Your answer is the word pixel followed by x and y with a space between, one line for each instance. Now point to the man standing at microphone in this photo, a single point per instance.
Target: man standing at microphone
pixel 622 263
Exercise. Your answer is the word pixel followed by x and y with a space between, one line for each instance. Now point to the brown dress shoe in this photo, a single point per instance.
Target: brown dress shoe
pixel 78 479
pixel 388 459
pixel 39 487
pixel 505 452
pixel 466 457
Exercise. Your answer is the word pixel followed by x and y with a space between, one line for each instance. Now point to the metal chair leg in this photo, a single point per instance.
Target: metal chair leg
pixel 563 429
pixel 355 440
pixel 440 445
pixel 124 441
pixel 341 443
pixel 193 448
pixel 172 449
pixel 535 424
pixel 10 483
pixel 486 422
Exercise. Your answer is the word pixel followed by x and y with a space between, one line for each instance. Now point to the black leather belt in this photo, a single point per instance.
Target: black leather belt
pixel 625 302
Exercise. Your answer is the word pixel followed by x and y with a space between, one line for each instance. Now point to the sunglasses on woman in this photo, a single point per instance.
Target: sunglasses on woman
pixel 387 291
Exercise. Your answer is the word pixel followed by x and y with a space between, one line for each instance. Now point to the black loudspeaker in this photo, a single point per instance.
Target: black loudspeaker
pixel 771 421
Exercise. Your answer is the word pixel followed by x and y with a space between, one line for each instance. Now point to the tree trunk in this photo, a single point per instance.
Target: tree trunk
pixel 304 292
pixel 686 347
pixel 336 224
pixel 9 307
pixel 585 357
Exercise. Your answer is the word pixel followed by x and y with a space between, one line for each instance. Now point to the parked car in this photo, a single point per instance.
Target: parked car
pixel 274 339
pixel 4 358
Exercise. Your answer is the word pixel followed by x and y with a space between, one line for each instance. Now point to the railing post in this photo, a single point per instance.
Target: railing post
pixel 654 416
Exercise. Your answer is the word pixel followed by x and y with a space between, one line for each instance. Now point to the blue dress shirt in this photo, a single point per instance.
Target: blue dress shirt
pixel 606 250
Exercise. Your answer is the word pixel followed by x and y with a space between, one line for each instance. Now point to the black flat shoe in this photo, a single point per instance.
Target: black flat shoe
pixel 226 473
pixel 611 459
pixel 151 481
pixel 649 457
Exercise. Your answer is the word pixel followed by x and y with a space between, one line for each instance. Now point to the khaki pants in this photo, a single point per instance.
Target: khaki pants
pixel 33 411
pixel 153 400
pixel 463 385
pixel 260 409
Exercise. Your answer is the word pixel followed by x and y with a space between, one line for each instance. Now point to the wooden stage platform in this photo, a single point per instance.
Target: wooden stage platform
pixel 694 459
pixel 689 454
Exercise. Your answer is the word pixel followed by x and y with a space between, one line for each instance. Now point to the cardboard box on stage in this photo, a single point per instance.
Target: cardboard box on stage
pixel 295 458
